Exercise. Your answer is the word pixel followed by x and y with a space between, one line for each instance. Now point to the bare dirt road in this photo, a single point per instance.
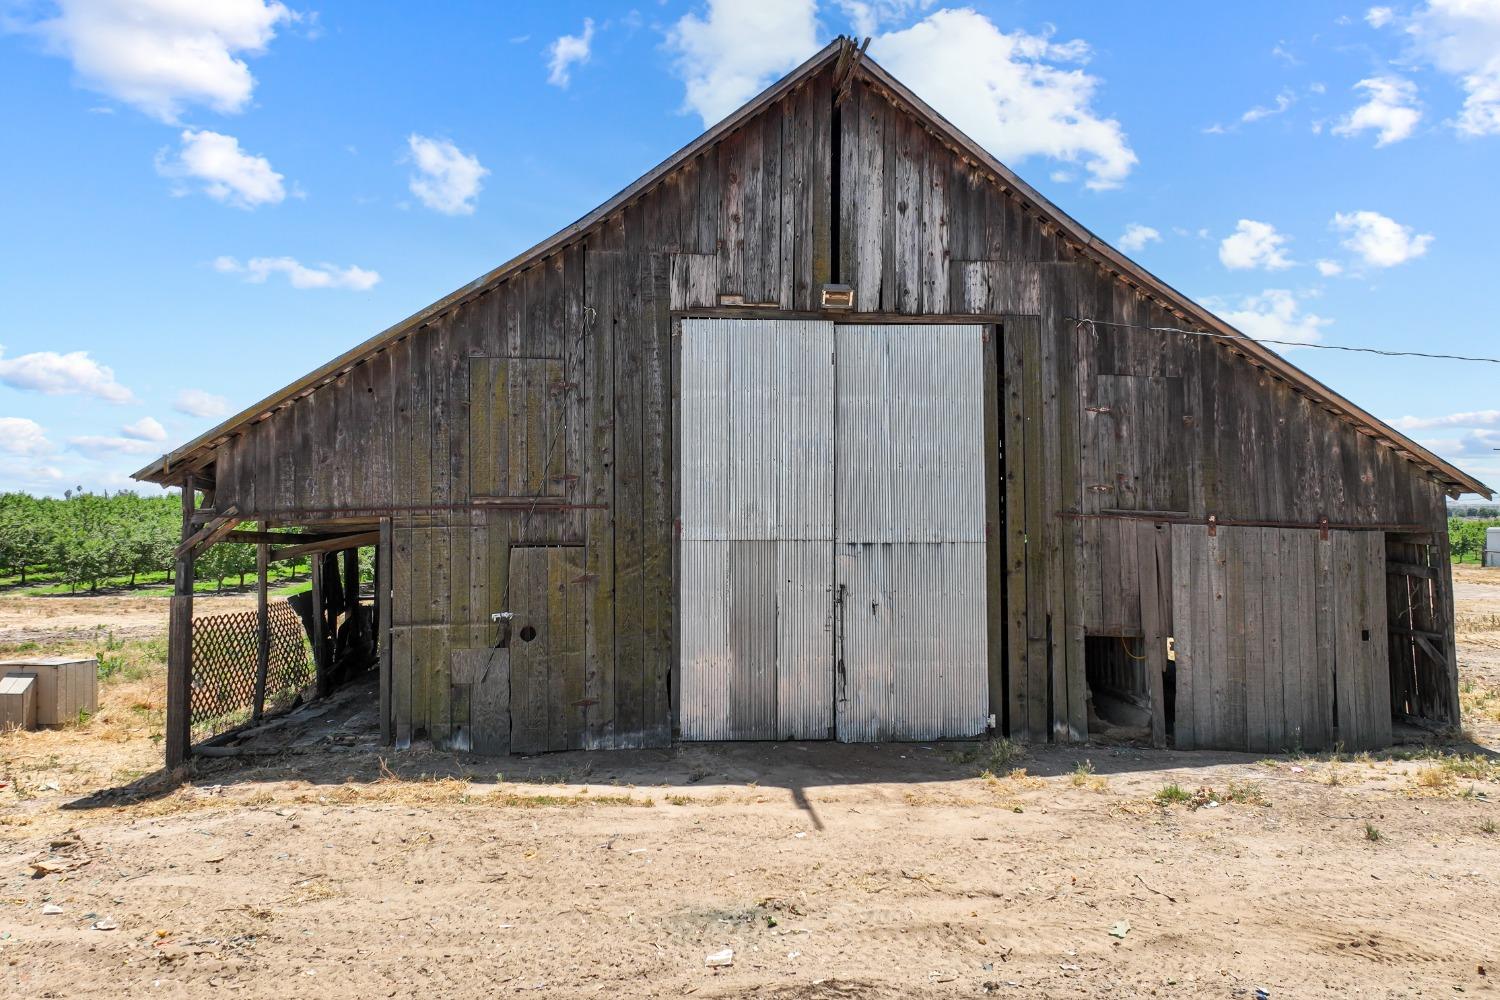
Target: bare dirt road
pixel 829 871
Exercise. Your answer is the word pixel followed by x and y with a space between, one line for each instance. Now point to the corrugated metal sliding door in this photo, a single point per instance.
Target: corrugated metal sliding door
pixel 910 530
pixel 756 469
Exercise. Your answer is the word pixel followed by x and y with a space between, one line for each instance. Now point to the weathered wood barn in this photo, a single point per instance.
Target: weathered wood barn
pixel 831 427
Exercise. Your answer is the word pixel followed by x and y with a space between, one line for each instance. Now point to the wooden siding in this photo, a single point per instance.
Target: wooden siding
pixel 1094 419
pixel 1280 639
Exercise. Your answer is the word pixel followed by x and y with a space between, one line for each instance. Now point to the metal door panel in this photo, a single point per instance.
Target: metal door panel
pixel 757 529
pixel 909 500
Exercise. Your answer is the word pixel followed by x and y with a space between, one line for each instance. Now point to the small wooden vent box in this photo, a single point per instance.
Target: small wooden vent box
pixel 65 686
pixel 17 702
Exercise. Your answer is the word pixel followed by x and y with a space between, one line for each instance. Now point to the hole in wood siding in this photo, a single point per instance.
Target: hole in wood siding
pixel 527 633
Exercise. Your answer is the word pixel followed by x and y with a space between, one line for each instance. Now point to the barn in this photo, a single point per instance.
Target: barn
pixel 831 427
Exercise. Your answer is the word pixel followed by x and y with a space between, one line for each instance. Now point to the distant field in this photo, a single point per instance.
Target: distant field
pixel 44 583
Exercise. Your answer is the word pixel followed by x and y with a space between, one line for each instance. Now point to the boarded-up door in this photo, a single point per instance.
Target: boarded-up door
pixel 1280 639
pixel 548 707
pixel 910 526
pixel 757 529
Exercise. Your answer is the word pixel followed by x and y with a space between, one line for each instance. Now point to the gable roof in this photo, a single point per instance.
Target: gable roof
pixel 842 52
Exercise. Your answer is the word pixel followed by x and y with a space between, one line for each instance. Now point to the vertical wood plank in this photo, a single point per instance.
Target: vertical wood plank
pixel 1018 695
pixel 599 377
pixel 1255 665
pixel 384 583
pixel 1275 581
pixel 262 627
pixel 629 509
pixel 178 734
pixel 658 465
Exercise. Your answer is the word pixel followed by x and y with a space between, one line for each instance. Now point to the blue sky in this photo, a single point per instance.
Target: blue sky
pixel 202 202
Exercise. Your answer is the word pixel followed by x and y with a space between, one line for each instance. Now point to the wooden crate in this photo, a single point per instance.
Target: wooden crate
pixel 17 702
pixel 65 686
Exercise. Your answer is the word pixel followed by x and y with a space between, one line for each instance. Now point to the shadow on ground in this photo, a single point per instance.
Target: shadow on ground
pixel 336 742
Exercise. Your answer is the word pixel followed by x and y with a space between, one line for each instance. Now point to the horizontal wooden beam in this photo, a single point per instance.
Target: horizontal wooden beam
pixel 329 545
pixel 282 537
pixel 1410 569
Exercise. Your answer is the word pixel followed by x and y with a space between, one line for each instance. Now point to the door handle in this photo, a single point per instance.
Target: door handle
pixel 840 597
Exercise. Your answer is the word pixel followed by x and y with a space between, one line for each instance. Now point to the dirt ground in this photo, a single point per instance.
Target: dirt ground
pixel 44 620
pixel 914 870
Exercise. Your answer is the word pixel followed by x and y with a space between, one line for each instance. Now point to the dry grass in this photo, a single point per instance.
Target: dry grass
pixel 119 743
pixel 1479 701
pixel 1015 779
pixel 449 791
pixel 1084 777
pixel 993 756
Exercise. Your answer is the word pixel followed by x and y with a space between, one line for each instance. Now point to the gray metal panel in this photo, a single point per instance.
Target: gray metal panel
pixel 705 663
pixel 757 528
pixel 752 640
pixel 804 640
pixel 864 664
pixel 913 665
pixel 704 458
pixel 910 526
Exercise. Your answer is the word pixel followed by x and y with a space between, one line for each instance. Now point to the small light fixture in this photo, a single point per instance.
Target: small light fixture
pixel 839 297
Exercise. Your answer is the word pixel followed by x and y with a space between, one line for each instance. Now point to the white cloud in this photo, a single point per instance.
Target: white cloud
pixel 145 429
pixel 866 16
pixel 1137 236
pixel 1378 240
pixel 1330 268
pixel 257 269
pixel 1275 315
pixel 225 171
pixel 568 50
pixel 1379 17
pixel 71 374
pixel 730 55
pixel 197 403
pixel 1475 443
pixel 1254 244
pixel 97 445
pixel 447 180
pixel 1473 418
pixel 23 436
pixel 1390 109
pixel 162 55
pixel 1284 100
pixel 1013 93
pixel 1462 38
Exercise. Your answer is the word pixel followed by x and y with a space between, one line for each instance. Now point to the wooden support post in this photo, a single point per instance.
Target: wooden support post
pixel 383 553
pixel 262 625
pixel 178 735
pixel 1444 618
pixel 320 626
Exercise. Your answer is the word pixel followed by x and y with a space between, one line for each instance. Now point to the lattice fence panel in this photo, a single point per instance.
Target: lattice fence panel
pixel 224 654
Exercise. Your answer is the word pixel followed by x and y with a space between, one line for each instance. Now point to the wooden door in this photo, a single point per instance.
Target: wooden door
pixel 548 597
pixel 1280 639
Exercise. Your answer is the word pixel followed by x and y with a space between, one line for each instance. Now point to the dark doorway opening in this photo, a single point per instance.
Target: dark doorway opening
pixel 1418 619
pixel 1119 687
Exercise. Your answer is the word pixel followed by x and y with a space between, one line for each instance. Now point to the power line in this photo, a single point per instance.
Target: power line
pixel 1286 343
